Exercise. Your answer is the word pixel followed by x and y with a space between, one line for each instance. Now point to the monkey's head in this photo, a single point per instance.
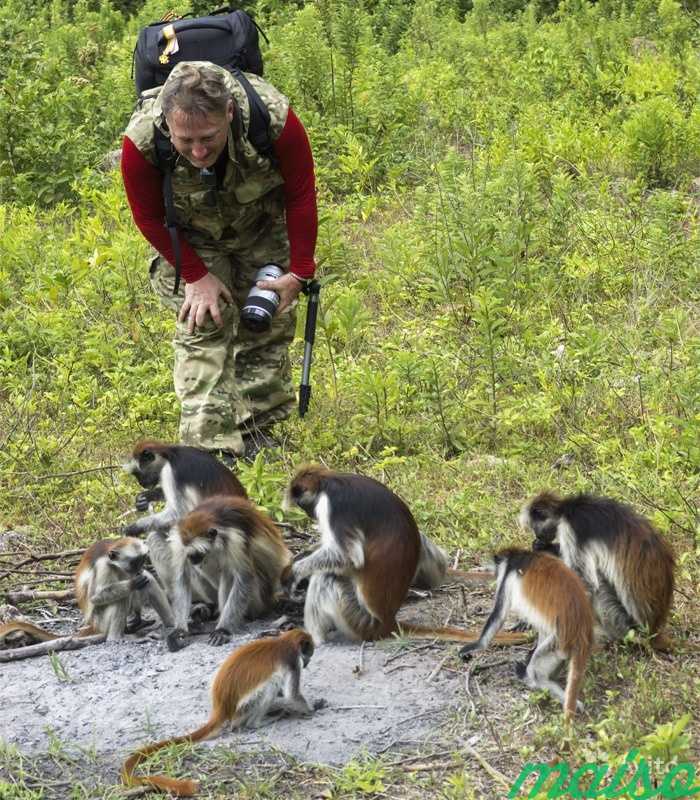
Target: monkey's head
pixel 541 515
pixel 305 487
pixel 302 641
pixel 128 555
pixel 146 462
pixel 198 531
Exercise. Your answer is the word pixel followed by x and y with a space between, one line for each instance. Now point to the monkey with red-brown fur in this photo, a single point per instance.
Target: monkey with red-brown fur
pixel 112 587
pixel 244 692
pixel 366 562
pixel 542 591
pixel 626 565
pixel 184 477
pixel 240 554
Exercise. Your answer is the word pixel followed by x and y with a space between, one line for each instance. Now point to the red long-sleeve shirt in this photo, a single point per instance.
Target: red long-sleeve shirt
pixel 144 191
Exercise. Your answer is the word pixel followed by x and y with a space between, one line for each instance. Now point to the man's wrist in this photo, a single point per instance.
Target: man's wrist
pixel 303 281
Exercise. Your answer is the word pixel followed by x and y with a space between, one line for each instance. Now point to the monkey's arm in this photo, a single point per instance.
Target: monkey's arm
pixel 156 598
pixel 293 701
pixel 143 499
pixel 153 522
pixel 494 623
pixel 234 606
pixel 182 596
pixel 337 559
pixel 111 593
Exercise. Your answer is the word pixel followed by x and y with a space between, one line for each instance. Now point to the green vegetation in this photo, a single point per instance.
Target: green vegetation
pixel 510 250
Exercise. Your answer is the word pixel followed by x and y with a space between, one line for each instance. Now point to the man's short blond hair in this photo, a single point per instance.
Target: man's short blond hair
pixel 195 90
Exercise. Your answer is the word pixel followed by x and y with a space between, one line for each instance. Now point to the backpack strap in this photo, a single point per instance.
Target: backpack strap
pixel 165 161
pixel 259 124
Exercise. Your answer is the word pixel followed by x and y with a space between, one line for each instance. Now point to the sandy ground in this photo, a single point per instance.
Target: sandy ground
pixel 122 694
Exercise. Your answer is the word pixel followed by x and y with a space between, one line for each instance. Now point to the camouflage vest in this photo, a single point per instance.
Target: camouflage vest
pixel 252 189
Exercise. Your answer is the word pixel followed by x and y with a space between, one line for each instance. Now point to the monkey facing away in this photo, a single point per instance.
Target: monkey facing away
pixel 626 565
pixel 112 587
pixel 366 561
pixel 544 592
pixel 238 553
pixel 246 689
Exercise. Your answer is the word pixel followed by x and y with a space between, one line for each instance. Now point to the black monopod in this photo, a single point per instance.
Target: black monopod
pixel 312 290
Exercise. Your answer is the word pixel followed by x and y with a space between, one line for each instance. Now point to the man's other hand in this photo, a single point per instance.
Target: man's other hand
pixel 202 298
pixel 286 286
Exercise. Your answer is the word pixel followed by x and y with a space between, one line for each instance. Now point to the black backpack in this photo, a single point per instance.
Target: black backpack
pixel 225 37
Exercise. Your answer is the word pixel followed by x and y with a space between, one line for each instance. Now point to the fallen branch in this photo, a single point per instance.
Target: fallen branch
pixel 492 771
pixel 28 596
pixel 437 669
pixel 54 646
pixel 40 582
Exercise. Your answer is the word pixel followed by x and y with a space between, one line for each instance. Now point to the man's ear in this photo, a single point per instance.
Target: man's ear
pixel 230 111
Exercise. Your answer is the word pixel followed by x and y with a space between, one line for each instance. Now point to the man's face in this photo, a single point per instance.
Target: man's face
pixel 200 138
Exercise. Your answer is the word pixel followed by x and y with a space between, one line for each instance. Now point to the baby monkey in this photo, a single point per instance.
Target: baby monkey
pixel 245 690
pixel 551 597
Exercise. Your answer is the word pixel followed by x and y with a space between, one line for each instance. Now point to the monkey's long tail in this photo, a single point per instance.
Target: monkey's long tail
pixel 182 788
pixel 448 634
pixel 40 633
pixel 577 666
pixel 26 627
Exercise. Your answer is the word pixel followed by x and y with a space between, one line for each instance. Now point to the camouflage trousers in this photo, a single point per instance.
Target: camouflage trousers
pixel 230 380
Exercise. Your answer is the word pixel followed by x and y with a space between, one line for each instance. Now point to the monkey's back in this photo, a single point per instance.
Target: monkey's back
pixel 560 596
pixel 642 572
pixel 251 666
pixel 391 541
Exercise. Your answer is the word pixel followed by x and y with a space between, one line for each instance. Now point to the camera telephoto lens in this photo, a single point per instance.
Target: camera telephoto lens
pixel 261 304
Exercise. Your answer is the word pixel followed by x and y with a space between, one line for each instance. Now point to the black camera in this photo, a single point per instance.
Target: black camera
pixel 261 304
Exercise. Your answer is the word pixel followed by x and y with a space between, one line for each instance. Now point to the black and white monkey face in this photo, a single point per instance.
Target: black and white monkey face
pixel 129 556
pixel 541 519
pixel 146 466
pixel 199 547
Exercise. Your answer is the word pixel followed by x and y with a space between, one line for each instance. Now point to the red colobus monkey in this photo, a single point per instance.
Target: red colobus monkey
pixel 366 562
pixel 112 587
pixel 184 477
pixel 544 592
pixel 237 554
pixel 245 690
pixel 626 565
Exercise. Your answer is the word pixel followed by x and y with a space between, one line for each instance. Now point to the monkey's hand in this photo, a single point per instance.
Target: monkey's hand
pixel 520 627
pixel 140 582
pixel 131 530
pixel 546 547
pixel 175 640
pixel 291 581
pixel 145 498
pixel 219 636
pixel 468 650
